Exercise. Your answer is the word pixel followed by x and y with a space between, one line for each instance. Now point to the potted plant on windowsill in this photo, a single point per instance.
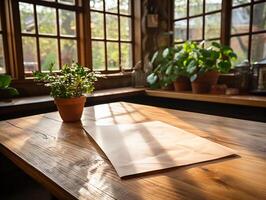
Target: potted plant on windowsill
pixel 169 68
pixel 6 91
pixel 205 65
pixel 67 88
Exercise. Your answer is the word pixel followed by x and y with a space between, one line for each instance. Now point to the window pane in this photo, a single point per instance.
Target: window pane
pixel 126 56
pixel 97 28
pixel 195 7
pixel 258 50
pixel 112 27
pixel 48 53
pixel 96 4
pixel 98 55
pixel 2 57
pixel 240 46
pixel 26 18
pixel 180 8
pixel 111 6
pixel 180 30
pixel 112 56
pixel 68 51
pixel 239 2
pixel 67 22
pixel 212 5
pixel 46 20
pixel 195 28
pixel 259 16
pixel 125 7
pixel 125 26
pixel 240 20
pixel 29 54
pixel 0 22
pixel 71 2
pixel 212 26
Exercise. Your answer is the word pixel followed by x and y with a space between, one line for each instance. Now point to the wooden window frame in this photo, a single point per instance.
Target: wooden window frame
pixel 56 5
pixel 250 32
pixel 118 41
pixel 203 15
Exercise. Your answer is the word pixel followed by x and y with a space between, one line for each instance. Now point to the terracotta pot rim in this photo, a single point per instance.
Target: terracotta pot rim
pixel 66 101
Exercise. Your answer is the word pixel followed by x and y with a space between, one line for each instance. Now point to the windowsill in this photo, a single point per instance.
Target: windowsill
pixel 25 106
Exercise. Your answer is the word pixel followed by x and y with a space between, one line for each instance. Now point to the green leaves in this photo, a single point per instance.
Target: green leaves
pixel 73 81
pixel 5 81
pixel 152 78
pixel 190 60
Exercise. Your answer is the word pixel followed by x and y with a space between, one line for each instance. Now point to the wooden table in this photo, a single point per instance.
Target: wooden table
pixel 70 165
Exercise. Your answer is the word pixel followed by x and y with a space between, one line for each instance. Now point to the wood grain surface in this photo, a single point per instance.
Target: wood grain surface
pixel 69 164
pixel 245 100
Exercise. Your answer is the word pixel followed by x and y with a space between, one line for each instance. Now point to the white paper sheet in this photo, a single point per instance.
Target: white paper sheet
pixel 144 147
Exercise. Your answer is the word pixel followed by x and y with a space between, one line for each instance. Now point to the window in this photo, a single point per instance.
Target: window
pixel 248 29
pixel 111 34
pixel 48 33
pixel 2 51
pixel 197 20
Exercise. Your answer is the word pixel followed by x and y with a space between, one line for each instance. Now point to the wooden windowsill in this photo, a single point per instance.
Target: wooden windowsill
pixel 245 100
pixel 46 98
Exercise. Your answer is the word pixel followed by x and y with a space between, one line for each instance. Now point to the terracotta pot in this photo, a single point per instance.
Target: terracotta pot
pixel 71 109
pixel 182 83
pixel 204 82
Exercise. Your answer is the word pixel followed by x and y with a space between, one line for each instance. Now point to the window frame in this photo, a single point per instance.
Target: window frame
pixel 57 6
pixel 3 32
pixel 250 32
pixel 118 41
pixel 202 15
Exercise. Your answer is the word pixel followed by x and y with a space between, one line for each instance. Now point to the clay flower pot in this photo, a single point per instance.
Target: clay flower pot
pixel 70 109
pixel 182 83
pixel 204 82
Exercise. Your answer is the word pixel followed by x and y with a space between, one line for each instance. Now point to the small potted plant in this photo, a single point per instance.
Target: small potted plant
pixel 205 65
pixel 6 91
pixel 67 88
pixel 169 68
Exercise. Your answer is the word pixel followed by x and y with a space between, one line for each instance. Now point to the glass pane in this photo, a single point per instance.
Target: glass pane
pixel 195 7
pixel 111 6
pixel 239 2
pixel 71 2
pixel 212 5
pixel 126 56
pixel 212 26
pixel 2 57
pixel 112 27
pixel 29 48
pixel 46 20
pixel 180 8
pixel 258 49
pixel 68 51
pixel 96 4
pixel 48 52
pixel 97 28
pixel 180 30
pixel 259 17
pixel 240 20
pixel 98 55
pixel 0 22
pixel 67 22
pixel 240 46
pixel 125 26
pixel 26 18
pixel 195 28
pixel 125 7
pixel 112 56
